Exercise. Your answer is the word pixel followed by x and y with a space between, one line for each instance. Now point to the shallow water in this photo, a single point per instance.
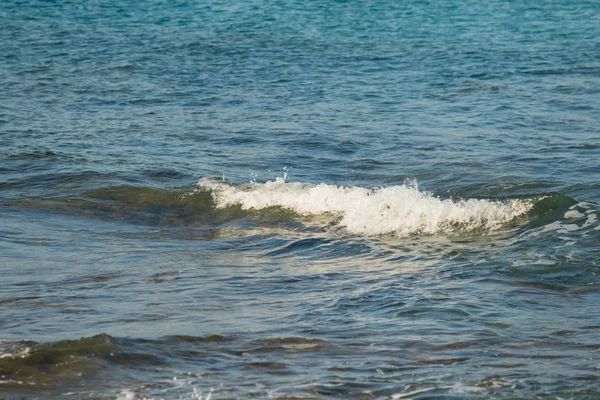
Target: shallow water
pixel 352 200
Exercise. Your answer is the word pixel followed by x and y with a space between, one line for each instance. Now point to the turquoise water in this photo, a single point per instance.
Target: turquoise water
pixel 327 199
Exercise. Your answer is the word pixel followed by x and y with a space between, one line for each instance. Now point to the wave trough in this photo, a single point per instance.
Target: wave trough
pixel 399 210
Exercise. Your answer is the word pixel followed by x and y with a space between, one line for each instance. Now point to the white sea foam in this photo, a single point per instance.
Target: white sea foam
pixel 573 214
pixel 22 353
pixel 126 394
pixel 399 210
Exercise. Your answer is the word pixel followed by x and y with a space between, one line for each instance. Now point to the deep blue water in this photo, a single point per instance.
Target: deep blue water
pixel 321 199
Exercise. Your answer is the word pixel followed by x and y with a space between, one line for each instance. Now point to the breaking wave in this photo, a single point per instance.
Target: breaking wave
pixel 398 210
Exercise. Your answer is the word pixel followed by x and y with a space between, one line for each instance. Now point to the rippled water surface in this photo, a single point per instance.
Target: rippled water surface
pixel 300 200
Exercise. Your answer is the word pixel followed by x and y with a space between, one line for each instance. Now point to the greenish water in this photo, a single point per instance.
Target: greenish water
pixel 328 199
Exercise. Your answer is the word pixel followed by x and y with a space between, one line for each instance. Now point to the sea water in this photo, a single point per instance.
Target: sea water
pixel 291 200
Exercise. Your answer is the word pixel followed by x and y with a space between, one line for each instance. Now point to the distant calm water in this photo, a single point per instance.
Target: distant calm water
pixel 292 200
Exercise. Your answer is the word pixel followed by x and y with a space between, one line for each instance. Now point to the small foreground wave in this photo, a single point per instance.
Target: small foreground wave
pixel 398 210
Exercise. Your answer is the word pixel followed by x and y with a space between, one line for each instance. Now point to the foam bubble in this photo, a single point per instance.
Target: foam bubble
pixel 399 210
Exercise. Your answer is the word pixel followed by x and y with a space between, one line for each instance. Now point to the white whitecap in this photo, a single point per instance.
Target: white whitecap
pixel 399 210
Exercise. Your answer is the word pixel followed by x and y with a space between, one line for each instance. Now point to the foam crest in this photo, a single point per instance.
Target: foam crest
pixel 399 210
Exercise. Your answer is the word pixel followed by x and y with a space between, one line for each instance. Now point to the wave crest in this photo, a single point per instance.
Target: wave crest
pixel 399 210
